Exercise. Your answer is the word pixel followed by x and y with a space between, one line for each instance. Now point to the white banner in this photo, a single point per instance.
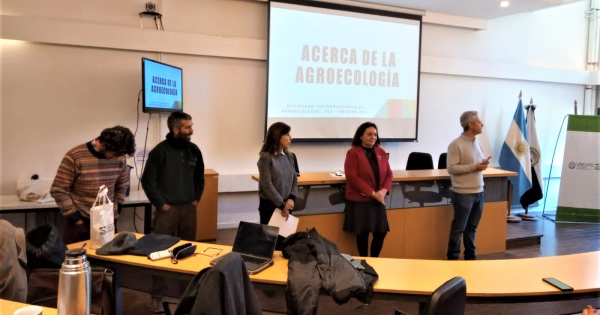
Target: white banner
pixel 579 195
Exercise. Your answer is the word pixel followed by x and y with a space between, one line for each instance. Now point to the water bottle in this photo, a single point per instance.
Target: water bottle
pixel 74 284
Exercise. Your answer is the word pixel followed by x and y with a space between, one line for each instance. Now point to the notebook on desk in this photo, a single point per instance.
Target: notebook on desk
pixel 256 244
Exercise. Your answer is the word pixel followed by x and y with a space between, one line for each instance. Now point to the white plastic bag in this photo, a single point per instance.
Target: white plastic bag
pixel 33 190
pixel 102 220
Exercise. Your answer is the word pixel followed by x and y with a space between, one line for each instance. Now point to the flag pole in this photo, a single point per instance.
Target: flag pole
pixel 512 218
pixel 535 159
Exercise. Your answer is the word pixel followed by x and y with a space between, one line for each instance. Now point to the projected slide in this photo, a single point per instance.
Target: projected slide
pixel 162 87
pixel 331 70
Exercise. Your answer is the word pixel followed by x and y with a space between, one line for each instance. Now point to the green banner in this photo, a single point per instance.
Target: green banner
pixel 577 214
pixel 583 123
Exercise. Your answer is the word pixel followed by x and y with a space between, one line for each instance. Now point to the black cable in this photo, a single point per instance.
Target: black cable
pixel 134 226
pixel 552 163
pixel 137 122
pixel 145 142
pixel 143 160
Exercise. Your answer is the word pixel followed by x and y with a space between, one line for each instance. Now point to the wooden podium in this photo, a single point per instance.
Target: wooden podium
pixel 207 209
pixel 415 232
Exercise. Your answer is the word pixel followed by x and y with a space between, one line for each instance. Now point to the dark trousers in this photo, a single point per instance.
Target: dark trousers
pixel 467 213
pixel 74 233
pixel 362 242
pixel 266 208
pixel 179 220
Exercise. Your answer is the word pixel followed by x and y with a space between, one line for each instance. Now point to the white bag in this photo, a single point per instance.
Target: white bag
pixel 102 220
pixel 33 190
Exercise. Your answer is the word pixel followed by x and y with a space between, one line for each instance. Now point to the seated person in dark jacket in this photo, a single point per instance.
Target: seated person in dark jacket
pixel 13 263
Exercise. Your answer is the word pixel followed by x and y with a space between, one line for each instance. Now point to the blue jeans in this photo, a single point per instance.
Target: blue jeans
pixel 467 213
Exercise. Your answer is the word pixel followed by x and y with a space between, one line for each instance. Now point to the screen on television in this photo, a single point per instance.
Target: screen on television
pixel 162 87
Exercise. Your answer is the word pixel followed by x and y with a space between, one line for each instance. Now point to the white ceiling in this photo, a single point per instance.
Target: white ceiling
pixel 481 9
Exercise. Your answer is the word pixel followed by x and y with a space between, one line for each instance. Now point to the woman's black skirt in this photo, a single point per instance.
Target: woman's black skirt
pixel 365 217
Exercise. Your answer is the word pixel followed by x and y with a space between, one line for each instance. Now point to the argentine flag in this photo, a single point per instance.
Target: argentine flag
pixel 515 155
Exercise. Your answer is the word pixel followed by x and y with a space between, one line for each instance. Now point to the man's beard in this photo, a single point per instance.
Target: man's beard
pixel 182 137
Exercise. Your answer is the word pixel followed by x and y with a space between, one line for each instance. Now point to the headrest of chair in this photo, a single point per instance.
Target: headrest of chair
pixel 419 161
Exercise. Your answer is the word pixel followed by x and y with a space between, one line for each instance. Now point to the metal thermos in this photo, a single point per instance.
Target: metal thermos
pixel 75 284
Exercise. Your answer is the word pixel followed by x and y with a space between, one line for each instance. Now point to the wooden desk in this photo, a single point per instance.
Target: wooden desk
pixel 488 281
pixel 12 204
pixel 416 281
pixel 437 174
pixel 421 232
pixel 313 179
pixel 207 209
pixel 9 307
pixel 523 277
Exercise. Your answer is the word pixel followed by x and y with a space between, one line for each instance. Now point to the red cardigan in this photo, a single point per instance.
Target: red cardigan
pixel 360 181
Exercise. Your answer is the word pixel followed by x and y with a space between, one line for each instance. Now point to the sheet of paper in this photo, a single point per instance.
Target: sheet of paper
pixel 286 228
pixel 46 200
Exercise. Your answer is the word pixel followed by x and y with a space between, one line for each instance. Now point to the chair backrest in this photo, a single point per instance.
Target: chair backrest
pixel 442 161
pixel 296 164
pixel 449 299
pixel 419 161
pixel 225 288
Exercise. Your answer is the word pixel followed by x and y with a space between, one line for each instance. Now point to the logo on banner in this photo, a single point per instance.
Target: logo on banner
pixel 535 156
pixel 106 229
pixel 584 166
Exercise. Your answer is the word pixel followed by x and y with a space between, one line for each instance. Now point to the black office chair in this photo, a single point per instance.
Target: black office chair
pixel 442 161
pixel 444 185
pixel 420 161
pixel 449 299
pixel 225 288
pixel 338 197
pixel 300 203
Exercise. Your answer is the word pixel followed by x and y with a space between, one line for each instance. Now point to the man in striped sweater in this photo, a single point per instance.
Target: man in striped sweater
pixel 83 170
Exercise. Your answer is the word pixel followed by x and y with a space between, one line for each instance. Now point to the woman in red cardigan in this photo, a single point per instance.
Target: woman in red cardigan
pixel 368 180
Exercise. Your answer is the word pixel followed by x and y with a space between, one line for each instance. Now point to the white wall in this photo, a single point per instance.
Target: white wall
pixel 58 96
pixel 553 38
pixel 232 18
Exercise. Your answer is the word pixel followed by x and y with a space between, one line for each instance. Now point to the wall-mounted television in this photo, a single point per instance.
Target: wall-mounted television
pixel 162 87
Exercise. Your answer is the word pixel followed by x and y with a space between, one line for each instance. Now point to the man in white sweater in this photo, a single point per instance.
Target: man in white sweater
pixel 465 163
